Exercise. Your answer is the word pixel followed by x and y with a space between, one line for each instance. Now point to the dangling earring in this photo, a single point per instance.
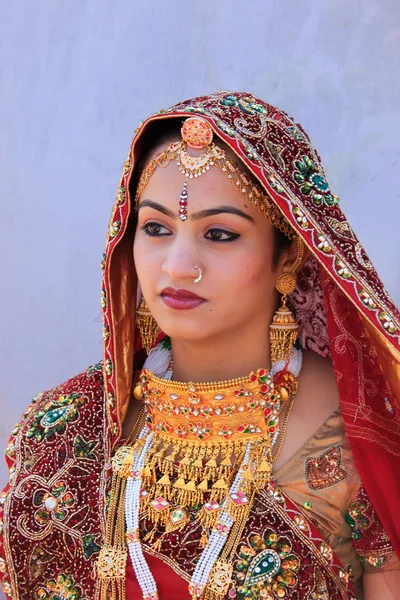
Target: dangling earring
pixel 283 329
pixel 147 325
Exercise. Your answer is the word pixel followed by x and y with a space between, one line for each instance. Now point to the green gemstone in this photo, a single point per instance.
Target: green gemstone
pixel 320 182
pixel 263 566
pixel 54 416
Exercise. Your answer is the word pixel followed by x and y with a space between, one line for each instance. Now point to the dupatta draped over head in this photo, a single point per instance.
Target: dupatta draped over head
pixel 343 312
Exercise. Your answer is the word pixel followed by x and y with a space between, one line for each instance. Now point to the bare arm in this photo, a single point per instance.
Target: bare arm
pixel 376 588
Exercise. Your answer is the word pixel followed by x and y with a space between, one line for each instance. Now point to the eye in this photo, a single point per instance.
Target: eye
pixel 154 229
pixel 220 235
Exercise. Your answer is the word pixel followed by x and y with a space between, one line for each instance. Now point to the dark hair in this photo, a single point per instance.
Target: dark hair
pixel 161 132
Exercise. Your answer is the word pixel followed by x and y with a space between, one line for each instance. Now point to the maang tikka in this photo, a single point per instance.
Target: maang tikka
pixel 284 328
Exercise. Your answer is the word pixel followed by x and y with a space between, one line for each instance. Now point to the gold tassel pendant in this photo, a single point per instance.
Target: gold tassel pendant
pixel 283 333
pixel 237 505
pixel 178 518
pixel 147 325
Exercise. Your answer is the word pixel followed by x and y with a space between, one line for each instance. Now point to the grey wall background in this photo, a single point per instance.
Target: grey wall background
pixel 76 78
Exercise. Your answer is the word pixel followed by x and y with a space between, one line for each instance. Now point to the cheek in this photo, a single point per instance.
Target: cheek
pixel 145 261
pixel 255 273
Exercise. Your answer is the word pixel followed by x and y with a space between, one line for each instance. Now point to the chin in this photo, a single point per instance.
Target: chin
pixel 185 331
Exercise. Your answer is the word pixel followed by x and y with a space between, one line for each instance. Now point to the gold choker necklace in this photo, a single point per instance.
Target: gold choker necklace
pixel 201 434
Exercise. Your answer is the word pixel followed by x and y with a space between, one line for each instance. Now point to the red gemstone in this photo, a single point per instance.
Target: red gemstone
pixel 264 389
pixel 261 372
pixel 253 378
pixel 267 412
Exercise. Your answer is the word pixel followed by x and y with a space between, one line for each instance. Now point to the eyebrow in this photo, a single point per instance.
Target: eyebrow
pixel 202 214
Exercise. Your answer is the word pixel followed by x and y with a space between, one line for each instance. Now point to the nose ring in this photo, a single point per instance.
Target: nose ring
pixel 200 277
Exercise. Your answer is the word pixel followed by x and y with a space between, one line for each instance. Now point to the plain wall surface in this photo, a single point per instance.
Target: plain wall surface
pixel 75 80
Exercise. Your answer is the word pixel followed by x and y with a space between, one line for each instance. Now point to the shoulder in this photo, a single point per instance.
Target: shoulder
pixel 56 459
pixel 59 411
pixel 318 395
pixel 317 376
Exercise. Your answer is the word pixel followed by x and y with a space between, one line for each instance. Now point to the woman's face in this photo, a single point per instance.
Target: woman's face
pixel 225 236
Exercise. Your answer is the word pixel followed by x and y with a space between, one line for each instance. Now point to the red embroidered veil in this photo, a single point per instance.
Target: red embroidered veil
pixel 341 305
pixel 352 310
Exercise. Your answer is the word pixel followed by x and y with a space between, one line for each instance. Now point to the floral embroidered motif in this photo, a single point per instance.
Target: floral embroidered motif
pixel 53 504
pixel 356 519
pixel 247 104
pixel 300 217
pixel 342 269
pixel 54 416
pixel 325 470
pixel 387 323
pixel 323 244
pixel 267 569
pixel 275 185
pixel 114 228
pixel 367 300
pixel 312 182
pixel 85 449
pixel 61 588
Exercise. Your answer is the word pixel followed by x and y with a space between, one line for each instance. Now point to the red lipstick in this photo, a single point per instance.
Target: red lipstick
pixel 181 299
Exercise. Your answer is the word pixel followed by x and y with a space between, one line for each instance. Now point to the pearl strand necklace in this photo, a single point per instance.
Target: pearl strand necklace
pixel 132 503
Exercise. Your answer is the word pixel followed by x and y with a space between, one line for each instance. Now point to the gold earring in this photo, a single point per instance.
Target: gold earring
pixel 147 325
pixel 283 329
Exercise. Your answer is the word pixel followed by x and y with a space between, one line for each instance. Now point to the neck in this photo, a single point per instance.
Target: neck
pixel 226 356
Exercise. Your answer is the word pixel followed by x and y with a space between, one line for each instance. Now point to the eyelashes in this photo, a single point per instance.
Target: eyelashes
pixel 217 235
pixel 153 230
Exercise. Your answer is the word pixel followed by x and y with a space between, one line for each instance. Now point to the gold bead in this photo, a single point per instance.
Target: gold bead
pixel 284 394
pixel 138 392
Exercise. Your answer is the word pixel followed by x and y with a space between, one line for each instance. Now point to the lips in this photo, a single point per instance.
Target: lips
pixel 180 294
pixel 181 299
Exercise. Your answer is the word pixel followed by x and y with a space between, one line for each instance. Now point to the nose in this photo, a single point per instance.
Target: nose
pixel 180 260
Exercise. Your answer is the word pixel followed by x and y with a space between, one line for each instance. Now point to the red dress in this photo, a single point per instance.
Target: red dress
pixel 170 586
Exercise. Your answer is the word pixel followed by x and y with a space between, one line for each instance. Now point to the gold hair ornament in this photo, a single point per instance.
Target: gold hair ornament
pixel 198 134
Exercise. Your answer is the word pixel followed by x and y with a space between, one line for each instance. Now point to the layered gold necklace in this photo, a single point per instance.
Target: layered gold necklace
pixel 202 454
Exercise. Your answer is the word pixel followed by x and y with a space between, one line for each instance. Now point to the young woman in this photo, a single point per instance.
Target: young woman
pixel 240 439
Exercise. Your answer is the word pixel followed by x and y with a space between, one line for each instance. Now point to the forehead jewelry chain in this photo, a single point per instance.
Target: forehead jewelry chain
pixel 200 276
pixel 183 203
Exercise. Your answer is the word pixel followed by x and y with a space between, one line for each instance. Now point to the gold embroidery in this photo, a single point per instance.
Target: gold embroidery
pixel 325 470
